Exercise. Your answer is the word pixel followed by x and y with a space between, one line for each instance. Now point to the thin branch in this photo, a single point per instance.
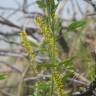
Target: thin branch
pixel 10 42
pixel 11 66
pixel 9 9
pixel 89 90
pixel 12 53
pixel 91 3
pixel 39 76
pixel 78 5
pixel 9 23
pixel 24 9
pixel 5 93
pixel 77 81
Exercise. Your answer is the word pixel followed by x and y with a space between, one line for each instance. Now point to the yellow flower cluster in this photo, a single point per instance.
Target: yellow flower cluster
pixel 58 83
pixel 27 45
pixel 46 31
pixel 47 34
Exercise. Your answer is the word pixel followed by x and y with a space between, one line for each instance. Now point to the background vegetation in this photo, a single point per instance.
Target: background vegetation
pixel 52 58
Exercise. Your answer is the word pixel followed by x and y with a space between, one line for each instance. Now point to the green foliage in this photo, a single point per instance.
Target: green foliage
pixel 49 8
pixel 59 67
pixel 2 76
pixel 42 85
pixel 48 5
pixel 76 24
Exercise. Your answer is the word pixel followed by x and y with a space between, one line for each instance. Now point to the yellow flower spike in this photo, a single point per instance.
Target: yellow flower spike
pixel 27 45
pixel 58 83
pixel 47 34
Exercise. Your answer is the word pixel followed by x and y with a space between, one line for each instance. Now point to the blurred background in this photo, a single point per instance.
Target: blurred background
pixel 16 14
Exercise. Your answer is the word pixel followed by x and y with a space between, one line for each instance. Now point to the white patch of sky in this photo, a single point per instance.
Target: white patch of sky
pixel 17 17
pixel 68 13
pixel 8 3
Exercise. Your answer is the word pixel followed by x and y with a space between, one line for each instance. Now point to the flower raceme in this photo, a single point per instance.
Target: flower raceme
pixel 49 38
pixel 44 28
pixel 48 35
pixel 27 45
pixel 58 83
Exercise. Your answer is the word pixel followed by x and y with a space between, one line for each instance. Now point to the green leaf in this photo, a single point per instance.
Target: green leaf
pixel 2 76
pixel 43 85
pixel 39 66
pixel 67 62
pixel 47 5
pixel 76 24
pixel 41 4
